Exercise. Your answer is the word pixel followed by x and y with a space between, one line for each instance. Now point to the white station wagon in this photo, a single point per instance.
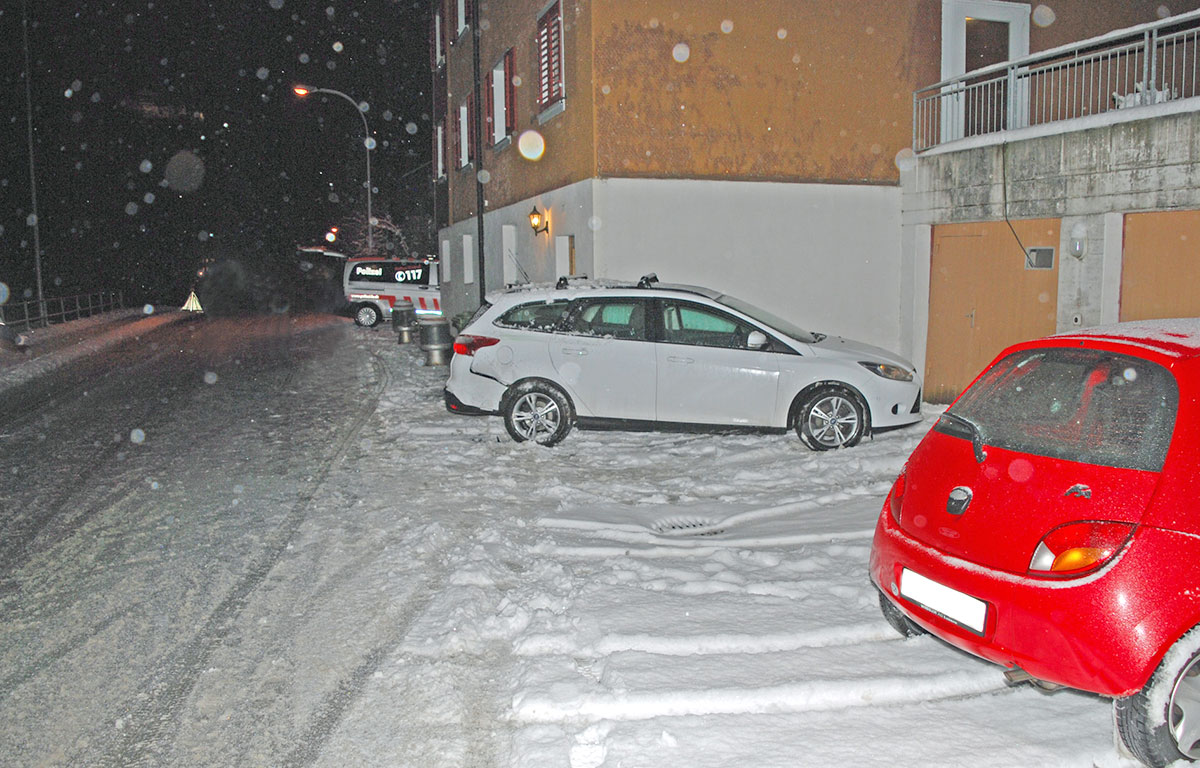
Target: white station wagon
pixel 668 356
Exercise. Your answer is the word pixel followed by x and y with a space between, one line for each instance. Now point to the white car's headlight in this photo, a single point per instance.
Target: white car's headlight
pixel 888 371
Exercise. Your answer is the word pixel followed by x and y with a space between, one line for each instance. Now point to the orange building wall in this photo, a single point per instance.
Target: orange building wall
pixel 773 90
pixel 568 136
pixel 778 90
pixel 1074 20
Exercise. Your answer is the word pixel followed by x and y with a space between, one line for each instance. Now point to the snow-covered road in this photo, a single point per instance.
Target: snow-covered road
pixel 360 578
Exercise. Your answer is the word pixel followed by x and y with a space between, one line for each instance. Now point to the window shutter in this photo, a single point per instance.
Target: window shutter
pixel 489 114
pixel 472 150
pixel 510 95
pixel 550 56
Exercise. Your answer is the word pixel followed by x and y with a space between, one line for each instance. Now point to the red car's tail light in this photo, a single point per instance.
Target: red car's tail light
pixel 1078 548
pixel 896 497
pixel 466 344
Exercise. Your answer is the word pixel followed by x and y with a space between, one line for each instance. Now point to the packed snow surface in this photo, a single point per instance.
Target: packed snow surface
pixel 451 598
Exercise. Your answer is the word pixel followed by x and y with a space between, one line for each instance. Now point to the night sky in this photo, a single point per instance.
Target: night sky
pixel 167 136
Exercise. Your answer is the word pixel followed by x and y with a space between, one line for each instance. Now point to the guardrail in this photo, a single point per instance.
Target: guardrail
pixel 23 315
pixel 1144 65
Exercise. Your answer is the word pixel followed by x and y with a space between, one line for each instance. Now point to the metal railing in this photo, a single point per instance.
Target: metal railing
pixel 23 315
pixel 1144 65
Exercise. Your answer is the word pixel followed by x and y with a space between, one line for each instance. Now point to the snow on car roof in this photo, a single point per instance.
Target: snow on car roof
pixel 1176 337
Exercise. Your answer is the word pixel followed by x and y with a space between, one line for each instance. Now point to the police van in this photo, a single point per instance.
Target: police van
pixel 373 286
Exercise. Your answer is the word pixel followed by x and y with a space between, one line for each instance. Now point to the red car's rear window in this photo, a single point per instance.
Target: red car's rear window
pixel 1082 405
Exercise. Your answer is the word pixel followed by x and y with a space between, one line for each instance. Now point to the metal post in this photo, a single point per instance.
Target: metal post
pixel 366 141
pixel 37 246
pixel 477 131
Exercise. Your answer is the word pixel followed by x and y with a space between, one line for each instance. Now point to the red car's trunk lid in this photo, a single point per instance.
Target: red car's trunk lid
pixel 995 512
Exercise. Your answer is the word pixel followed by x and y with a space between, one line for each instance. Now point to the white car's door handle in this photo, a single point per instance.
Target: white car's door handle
pixel 574 351
pixel 674 359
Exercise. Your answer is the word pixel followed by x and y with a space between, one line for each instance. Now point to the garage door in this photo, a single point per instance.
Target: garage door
pixel 1160 265
pixel 984 294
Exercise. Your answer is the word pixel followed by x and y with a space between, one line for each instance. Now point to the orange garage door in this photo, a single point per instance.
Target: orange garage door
pixel 983 296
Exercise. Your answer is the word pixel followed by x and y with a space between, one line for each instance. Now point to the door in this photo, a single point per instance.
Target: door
pixel 983 296
pixel 976 34
pixel 605 360
pixel 1160 265
pixel 706 373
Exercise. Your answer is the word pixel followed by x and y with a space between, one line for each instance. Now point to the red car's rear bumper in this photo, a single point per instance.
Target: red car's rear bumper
pixel 1104 632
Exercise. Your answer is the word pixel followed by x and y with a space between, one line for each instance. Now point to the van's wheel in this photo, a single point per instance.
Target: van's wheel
pixel 537 411
pixel 830 417
pixel 366 315
pixel 1161 723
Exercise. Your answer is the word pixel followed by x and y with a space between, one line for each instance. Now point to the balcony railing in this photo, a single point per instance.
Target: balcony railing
pixel 23 315
pixel 1135 67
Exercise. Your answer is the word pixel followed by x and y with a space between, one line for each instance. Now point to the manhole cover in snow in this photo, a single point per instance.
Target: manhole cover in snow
pixel 687 526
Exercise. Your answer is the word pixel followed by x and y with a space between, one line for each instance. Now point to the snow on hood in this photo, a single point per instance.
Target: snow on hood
pixel 860 351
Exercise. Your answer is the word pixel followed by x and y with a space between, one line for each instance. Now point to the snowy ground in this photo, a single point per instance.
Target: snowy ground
pixel 451 598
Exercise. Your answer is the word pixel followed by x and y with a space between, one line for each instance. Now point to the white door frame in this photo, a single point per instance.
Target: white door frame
pixel 954 56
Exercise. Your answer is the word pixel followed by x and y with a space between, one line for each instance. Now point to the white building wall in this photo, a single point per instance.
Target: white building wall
pixel 825 256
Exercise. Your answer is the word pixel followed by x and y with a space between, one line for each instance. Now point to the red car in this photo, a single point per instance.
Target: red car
pixel 1050 523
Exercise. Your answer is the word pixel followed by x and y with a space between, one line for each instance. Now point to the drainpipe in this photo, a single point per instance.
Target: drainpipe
pixel 477 132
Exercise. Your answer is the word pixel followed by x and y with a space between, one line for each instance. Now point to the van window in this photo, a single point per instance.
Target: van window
pixel 1081 405
pixel 390 272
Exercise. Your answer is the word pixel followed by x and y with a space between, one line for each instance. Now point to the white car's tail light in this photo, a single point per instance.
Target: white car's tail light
pixel 1078 548
pixel 466 344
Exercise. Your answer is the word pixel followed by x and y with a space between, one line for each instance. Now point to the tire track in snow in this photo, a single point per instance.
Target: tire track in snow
pixel 157 714
pixel 791 698
pixel 662 645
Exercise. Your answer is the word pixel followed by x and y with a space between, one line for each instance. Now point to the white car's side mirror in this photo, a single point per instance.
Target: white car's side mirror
pixel 756 340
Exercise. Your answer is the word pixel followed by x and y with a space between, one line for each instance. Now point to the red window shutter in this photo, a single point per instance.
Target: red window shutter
pixel 489 95
pixel 472 150
pixel 510 95
pixel 550 56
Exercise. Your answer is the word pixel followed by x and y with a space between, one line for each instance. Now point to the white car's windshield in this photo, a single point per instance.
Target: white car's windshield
pixel 766 318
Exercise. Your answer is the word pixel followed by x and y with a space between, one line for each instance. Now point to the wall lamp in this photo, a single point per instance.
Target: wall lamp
pixel 539 222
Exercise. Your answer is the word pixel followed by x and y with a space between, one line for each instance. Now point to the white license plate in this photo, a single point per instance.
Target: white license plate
pixel 954 605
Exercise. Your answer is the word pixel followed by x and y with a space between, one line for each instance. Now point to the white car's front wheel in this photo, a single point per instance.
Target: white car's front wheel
pixel 537 411
pixel 830 417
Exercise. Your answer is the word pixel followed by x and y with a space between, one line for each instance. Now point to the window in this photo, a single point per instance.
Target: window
pixel 618 318
pixel 437 53
pixel 390 272
pixel 464 14
pixel 1083 405
pixel 685 323
pixel 468 252
pixel 439 150
pixel 501 101
pixel 464 148
pixel 550 58
pixel 535 316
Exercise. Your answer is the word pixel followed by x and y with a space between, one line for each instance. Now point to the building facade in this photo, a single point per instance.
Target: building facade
pixel 752 146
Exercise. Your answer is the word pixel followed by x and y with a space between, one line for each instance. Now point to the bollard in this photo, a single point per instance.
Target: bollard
pixel 435 339
pixel 404 321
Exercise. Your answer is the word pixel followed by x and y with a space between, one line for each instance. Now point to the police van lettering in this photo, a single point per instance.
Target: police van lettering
pixel 405 275
pixel 369 271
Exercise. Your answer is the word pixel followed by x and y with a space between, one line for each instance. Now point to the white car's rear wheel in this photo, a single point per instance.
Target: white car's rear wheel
pixel 537 411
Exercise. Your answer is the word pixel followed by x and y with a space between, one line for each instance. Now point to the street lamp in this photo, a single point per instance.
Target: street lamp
pixel 304 90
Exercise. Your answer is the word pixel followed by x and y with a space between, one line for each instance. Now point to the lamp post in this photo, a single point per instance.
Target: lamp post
pixel 304 90
pixel 37 246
